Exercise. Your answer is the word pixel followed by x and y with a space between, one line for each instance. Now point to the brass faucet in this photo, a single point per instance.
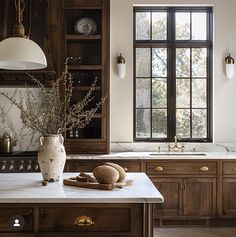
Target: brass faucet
pixel 176 147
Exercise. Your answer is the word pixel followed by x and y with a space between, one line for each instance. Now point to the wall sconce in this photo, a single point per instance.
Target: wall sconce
pixel 19 52
pixel 121 66
pixel 229 66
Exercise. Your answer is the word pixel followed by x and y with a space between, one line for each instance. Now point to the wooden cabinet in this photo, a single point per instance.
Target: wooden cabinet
pixel 88 165
pixel 88 55
pixel 199 196
pixel 189 188
pixel 229 189
pixel 89 219
pixel 171 190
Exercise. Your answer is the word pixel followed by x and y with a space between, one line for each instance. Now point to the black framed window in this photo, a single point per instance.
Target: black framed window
pixel 173 73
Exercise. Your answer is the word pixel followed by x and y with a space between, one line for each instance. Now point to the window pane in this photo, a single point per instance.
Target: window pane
pixel 199 26
pixel 182 62
pixel 199 62
pixel 143 93
pixel 159 92
pixel 159 123
pixel 143 61
pixel 183 123
pixel 159 62
pixel 143 119
pixel 143 25
pixel 199 123
pixel 183 93
pixel 182 25
pixel 159 25
pixel 199 90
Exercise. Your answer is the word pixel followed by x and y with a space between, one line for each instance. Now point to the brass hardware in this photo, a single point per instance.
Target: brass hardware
pixel 159 149
pixel 125 169
pixel 229 59
pixel 194 149
pixel 159 168
pixel 204 168
pixel 83 221
pixel 176 147
pixel 120 59
pixel 235 169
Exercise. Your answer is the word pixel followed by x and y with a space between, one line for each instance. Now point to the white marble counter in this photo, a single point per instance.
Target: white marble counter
pixel 156 155
pixel 27 188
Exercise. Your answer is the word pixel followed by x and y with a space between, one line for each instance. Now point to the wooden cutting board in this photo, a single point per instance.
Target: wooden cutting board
pixel 73 182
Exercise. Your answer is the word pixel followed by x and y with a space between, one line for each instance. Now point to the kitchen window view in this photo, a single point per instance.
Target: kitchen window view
pixel 173 73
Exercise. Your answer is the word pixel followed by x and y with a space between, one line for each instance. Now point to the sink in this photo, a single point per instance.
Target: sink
pixel 178 154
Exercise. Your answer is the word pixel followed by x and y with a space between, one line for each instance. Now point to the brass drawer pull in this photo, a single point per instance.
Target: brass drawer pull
pixel 83 221
pixel 159 168
pixel 125 169
pixel 204 168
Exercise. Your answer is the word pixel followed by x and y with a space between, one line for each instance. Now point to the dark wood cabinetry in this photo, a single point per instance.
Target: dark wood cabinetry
pixel 126 220
pixel 89 61
pixel 53 28
pixel 229 189
pixel 189 188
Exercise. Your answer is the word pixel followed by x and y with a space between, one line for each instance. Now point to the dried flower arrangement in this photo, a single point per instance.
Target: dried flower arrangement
pixel 56 114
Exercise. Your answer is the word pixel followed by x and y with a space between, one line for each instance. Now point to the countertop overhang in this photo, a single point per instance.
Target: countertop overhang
pixel 27 188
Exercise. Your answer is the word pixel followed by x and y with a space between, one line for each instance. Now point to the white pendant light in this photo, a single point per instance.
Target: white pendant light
pixel 19 52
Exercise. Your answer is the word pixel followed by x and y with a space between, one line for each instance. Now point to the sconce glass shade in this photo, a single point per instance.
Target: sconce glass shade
pixel 121 67
pixel 229 66
pixel 19 53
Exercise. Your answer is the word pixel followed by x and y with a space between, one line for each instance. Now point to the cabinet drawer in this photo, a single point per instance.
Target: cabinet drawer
pixel 83 167
pixel 85 219
pixel 181 168
pixel 7 213
pixel 128 166
pixel 229 168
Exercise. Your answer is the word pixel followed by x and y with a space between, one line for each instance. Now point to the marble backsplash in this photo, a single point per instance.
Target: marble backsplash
pixel 10 120
pixel 189 147
pixel 28 140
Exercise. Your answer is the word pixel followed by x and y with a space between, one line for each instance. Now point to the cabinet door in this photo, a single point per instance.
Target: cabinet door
pixel 171 190
pixel 229 196
pixel 199 196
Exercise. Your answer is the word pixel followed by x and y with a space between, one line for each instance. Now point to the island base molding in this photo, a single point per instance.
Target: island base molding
pixel 100 219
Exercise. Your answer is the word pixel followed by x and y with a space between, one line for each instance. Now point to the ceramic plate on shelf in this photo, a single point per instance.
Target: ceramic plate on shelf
pixel 86 26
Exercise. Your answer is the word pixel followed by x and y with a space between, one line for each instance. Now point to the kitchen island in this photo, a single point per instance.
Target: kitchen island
pixel 59 210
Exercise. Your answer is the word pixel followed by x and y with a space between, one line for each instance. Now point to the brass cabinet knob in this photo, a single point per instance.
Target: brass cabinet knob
pixel 159 168
pixel 83 221
pixel 204 168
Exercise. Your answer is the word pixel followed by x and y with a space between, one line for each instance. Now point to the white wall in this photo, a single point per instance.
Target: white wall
pixel 224 92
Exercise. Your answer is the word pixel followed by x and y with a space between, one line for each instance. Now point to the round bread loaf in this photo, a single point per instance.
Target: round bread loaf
pixel 106 174
pixel 119 168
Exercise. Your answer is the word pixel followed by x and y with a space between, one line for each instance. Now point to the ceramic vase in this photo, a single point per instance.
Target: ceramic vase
pixel 51 157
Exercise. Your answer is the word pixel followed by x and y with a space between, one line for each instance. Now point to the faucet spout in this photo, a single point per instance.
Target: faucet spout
pixel 176 147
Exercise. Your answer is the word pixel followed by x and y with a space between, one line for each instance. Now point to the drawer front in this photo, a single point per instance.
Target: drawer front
pixel 229 168
pixel 7 213
pixel 85 219
pixel 128 166
pixel 83 167
pixel 181 168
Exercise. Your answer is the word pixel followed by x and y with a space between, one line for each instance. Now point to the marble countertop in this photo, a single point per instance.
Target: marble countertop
pixel 27 188
pixel 156 155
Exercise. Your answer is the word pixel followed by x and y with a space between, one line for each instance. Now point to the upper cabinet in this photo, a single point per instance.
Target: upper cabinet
pixel 74 29
pixel 86 41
